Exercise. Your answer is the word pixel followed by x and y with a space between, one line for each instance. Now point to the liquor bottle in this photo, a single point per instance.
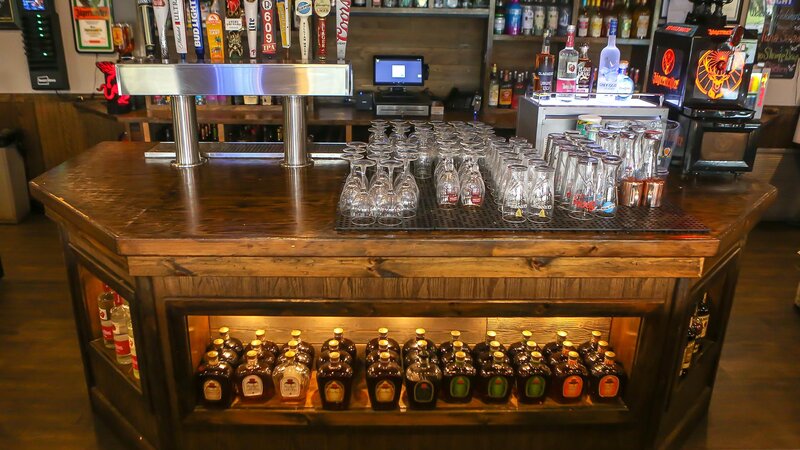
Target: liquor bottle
pixel 494 87
pixel 564 16
pixel 557 358
pixel 584 73
pixel 519 346
pixel 590 345
pixel 414 354
pixel 383 335
pixel 583 19
pixel 132 344
pixel 608 66
pixel 518 90
pixel 514 18
pixel 120 315
pixel 335 383
pixel 483 347
pixel 593 358
pixel 384 381
pixel 333 346
pixel 458 379
pixel 506 91
pixel 265 358
pixel 224 354
pixel 697 327
pixel 445 347
pixel 344 344
pixel 487 357
pixel 569 380
pixel 595 20
pixel 532 378
pixel 625 85
pixel 703 314
pixel 450 356
pixel 567 68
pixel 527 18
pixel 266 344
pixel 419 336
pixel 231 342
pixel 625 21
pixel 496 379
pixel 105 301
pixel 301 345
pixel 214 382
pixel 383 347
pixel 545 66
pixel 552 17
pixel 290 379
pixel 499 18
pixel 641 20
pixel 525 355
pixel 607 380
pixel 299 355
pixel 423 381
pixel 254 381
pixel 555 346
pixel 609 13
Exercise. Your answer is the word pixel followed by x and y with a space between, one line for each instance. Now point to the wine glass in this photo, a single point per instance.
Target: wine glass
pixel 352 184
pixel 361 210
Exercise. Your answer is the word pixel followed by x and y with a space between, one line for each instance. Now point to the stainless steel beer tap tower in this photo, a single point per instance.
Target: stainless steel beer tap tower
pixel 184 81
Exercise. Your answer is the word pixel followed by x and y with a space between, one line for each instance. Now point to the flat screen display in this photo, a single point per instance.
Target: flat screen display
pixel 33 5
pixel 398 71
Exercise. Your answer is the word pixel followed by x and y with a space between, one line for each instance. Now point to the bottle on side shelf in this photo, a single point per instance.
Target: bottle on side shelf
pixel 496 379
pixel 335 382
pixel 697 328
pixel 383 334
pixel 487 357
pixel 290 379
pixel 224 354
pixel 384 382
pixel 265 357
pixel 607 380
pixel 333 346
pixel 423 381
pixel 345 344
pixel 105 301
pixel 703 314
pixel 525 356
pixel 545 67
pixel 266 344
pixel 214 382
pixel 120 316
pixel 231 342
pixel 412 343
pixel 450 356
pixel 415 354
pixel 590 345
pixel 519 346
pixel 447 346
pixel 594 357
pixel 458 379
pixel 300 356
pixel 569 380
pixel 132 344
pixel 494 87
pixel 483 347
pixel 532 379
pixel 557 358
pixel 302 345
pixel 253 380
pixel 383 347
pixel 555 346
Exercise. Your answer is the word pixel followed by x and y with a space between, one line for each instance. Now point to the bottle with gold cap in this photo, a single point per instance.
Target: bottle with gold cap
pixel 254 381
pixel 224 353
pixel 265 358
pixel 383 334
pixel 569 380
pixel 333 346
pixel 590 345
pixel 345 345
pixel 525 356
pixel 593 358
pixel 290 379
pixel 215 382
pixel 496 379
pixel 299 355
pixel 266 344
pixel 447 346
pixel 532 379
pixel 458 379
pixel 483 347
pixel 231 342
pixel 450 356
pixel 519 346
pixel 413 355
pixel 383 347
pixel 411 344
pixel 335 382
pixel 555 346
pixel 488 356
pixel 607 380
pixel 302 345
pixel 555 358
pixel 423 380
pixel 384 382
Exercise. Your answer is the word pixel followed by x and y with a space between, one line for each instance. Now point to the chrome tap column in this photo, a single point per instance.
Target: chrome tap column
pixel 295 136
pixel 184 122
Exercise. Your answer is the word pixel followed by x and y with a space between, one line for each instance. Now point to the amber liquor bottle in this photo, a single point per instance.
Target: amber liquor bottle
pixel 557 358
pixel 302 345
pixel 569 380
pixel 545 67
pixel 703 313
pixel 483 347
pixel 384 382
pixel 506 90
pixel 265 358
pixel 333 346
pixel 414 355
pixel 383 335
pixel 487 357
pixel 533 377
pixel 525 356
pixel 345 344
pixel 290 379
pixel 590 345
pixel 254 381
pixel 423 381
pixel 231 342
pixel 458 379
pixel 496 379
pixel 593 358
pixel 607 380
pixel 555 346
pixel 519 346
pixel 224 354
pixel 105 301
pixel 412 343
pixel 447 347
pixel 215 382
pixel 335 383
pixel 383 347
pixel 299 355
pixel 450 356
pixel 697 326
pixel 584 83
pixel 266 344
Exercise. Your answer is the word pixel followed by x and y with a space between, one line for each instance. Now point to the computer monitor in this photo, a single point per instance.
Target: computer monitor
pixel 393 70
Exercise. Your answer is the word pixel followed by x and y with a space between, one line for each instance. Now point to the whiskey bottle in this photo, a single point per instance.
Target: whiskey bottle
pixel 214 382
pixel 383 335
pixel 594 357
pixel 506 90
pixel 450 356
pixel 519 346
pixel 532 377
pixel 299 355
pixel 590 345
pixel 225 354
pixel 335 382
pixel 487 357
pixel 423 381
pixel 545 67
pixel 266 344
pixel 120 316
pixel 383 347
pixel 525 356
pixel 384 382
pixel 254 381
pixel 415 354
pixel 584 87
pixel 447 347
pixel 132 344
pixel 302 345
pixel 569 380
pixel 231 342
pixel 458 379
pixel 697 326
pixel 333 346
pixel 494 87
pixel 557 358
pixel 105 301
pixel 412 343
pixel 555 346
pixel 703 314
pixel 495 379
pixel 607 380
pixel 290 379
pixel 483 347
pixel 345 344
pixel 265 357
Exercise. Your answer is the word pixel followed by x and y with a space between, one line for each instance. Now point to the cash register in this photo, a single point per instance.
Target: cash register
pixel 399 73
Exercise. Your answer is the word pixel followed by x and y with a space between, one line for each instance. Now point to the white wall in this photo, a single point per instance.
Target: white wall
pixel 783 92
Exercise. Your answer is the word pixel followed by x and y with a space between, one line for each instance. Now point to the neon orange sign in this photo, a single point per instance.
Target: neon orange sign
pixel 668 61
pixel 719 32
pixel 678 29
pixel 712 78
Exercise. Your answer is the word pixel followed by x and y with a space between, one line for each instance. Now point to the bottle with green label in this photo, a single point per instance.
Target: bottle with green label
pixel 533 377
pixel 423 379
pixel 495 380
pixel 458 379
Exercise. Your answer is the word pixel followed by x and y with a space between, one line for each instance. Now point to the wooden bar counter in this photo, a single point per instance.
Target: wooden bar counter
pixel 247 244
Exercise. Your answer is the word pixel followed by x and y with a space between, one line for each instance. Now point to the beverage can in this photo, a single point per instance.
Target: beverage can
pixel 527 19
pixel 586 119
pixel 538 20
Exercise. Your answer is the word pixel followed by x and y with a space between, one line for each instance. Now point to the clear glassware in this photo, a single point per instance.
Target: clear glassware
pixel 447 184
pixel 406 187
pixel 570 174
pixel 514 196
pixel 352 184
pixel 541 194
pixel 608 140
pixel 473 188
pixel 627 147
pixel 607 187
pixel 584 196
pixel 672 130
pixel 651 148
pixel 361 210
pixel 386 202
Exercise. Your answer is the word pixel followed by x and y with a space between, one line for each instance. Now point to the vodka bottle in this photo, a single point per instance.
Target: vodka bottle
pixel 566 80
pixel 608 65
pixel 624 82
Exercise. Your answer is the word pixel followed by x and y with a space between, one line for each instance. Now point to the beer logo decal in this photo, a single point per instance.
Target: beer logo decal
pixel 668 61
pixel 712 78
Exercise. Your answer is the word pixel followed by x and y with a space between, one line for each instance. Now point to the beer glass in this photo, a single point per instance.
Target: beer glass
pixel 515 204
pixel 583 190
pixel 607 186
pixel 447 184
pixel 672 132
pixel 541 194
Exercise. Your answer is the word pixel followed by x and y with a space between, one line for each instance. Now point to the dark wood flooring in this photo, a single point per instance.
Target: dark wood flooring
pixel 44 404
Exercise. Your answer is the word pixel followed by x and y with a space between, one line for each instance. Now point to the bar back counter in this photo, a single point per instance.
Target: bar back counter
pixel 247 244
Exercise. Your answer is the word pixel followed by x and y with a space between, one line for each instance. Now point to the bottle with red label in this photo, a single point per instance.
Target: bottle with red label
pixel 214 382
pixel 132 343
pixel 506 90
pixel 253 380
pixel 607 380
pixel 335 383
pixel 105 301
pixel 120 316
pixel 569 380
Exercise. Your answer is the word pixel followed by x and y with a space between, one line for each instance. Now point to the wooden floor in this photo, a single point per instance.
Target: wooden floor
pixel 44 405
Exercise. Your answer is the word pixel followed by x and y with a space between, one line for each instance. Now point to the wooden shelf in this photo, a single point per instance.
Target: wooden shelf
pixel 477 13
pixel 561 39
pixel 109 357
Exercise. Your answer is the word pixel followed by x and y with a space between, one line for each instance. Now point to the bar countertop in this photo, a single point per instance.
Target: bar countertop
pixel 249 208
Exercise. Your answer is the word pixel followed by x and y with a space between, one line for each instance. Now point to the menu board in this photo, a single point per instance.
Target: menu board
pixel 779 47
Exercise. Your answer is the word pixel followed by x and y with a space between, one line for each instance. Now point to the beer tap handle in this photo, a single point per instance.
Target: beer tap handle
pixel 303 10
pixel 321 9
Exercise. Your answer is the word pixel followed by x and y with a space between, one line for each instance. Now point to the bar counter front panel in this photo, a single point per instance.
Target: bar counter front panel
pixel 247 244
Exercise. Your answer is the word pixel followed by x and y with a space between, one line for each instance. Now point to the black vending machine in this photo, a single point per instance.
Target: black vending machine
pixel 41 34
